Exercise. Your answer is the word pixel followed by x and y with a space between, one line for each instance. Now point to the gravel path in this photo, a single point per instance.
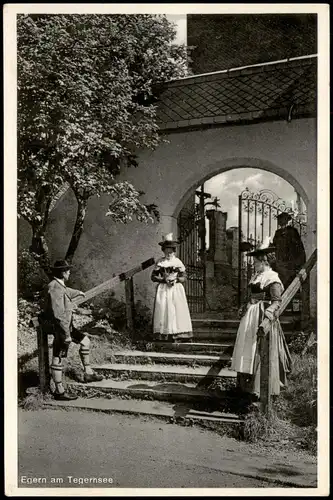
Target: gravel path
pixel 138 452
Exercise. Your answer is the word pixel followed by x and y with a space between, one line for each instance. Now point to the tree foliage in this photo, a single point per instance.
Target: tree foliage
pixel 85 107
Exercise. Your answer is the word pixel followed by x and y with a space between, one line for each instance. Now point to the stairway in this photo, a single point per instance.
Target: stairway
pixel 188 381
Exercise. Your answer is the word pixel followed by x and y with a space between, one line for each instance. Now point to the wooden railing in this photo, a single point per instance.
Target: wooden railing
pixel 127 277
pixel 264 334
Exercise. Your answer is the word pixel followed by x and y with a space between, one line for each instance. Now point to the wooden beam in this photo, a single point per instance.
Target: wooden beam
pixel 107 285
pixel 264 352
pixel 111 283
pixel 43 360
pixel 129 294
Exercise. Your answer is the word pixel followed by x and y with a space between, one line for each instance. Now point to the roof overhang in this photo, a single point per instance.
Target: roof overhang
pixel 281 90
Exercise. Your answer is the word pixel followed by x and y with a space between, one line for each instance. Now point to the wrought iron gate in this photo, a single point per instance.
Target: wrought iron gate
pixel 257 219
pixel 190 238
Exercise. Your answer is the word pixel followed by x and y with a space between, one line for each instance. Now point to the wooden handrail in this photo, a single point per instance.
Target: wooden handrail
pixel 111 283
pixel 264 334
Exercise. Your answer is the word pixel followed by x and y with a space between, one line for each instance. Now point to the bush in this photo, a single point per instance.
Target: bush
pixel 300 340
pixel 31 278
pixel 114 312
pixel 111 310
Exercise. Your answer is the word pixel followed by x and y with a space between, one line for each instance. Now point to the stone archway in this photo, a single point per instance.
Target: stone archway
pixel 211 170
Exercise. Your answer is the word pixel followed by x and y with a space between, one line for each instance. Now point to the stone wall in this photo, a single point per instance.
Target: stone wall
pixel 169 175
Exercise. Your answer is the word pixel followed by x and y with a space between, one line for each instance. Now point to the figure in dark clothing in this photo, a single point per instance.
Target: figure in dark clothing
pixel 290 253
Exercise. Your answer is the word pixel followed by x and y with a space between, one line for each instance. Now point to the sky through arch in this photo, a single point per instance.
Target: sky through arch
pixel 228 186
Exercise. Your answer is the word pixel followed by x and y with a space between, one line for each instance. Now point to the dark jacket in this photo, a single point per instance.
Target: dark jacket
pixel 289 248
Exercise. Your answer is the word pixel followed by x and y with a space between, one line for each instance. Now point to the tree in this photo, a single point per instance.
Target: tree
pixel 86 105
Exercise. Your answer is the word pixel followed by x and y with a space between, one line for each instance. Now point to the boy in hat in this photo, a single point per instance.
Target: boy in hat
pixel 290 253
pixel 58 316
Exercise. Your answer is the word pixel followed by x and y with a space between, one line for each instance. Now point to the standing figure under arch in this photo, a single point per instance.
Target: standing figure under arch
pixel 290 253
pixel 171 319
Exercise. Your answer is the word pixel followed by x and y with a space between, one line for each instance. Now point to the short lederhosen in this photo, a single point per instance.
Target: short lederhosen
pixel 60 347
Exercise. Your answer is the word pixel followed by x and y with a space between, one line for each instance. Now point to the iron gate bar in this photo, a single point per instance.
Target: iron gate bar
pixel 191 234
pixel 255 221
pixel 262 221
pixel 270 206
pixel 240 201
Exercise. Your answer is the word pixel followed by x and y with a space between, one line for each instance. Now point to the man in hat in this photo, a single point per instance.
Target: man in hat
pixel 57 316
pixel 290 253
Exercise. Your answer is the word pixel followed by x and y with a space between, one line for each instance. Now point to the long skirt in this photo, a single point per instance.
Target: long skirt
pixel 172 318
pixel 246 358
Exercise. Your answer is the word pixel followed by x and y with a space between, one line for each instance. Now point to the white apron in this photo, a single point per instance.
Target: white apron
pixel 171 313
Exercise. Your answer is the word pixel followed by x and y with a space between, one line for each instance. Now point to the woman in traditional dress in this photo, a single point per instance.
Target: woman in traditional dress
pixel 171 320
pixel 266 289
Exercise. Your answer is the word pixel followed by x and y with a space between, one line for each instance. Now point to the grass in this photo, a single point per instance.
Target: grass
pixel 294 412
pixel 298 402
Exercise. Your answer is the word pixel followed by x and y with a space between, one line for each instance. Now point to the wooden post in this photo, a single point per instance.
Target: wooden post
pixel 240 270
pixel 203 243
pixel 43 360
pixel 129 296
pixel 264 351
pixel 305 302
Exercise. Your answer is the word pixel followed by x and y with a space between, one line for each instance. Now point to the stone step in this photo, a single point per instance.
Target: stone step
pixel 224 324
pixel 229 327
pixel 143 357
pixel 177 373
pixel 220 337
pixel 195 347
pixel 214 335
pixel 159 409
pixel 150 390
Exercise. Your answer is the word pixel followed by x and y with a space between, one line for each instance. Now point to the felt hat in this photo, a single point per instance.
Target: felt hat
pixel 168 241
pixel 246 246
pixel 265 248
pixel 283 216
pixel 61 265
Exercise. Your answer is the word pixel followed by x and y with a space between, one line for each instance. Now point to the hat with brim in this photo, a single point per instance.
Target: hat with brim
pixel 261 251
pixel 168 241
pixel 284 216
pixel 61 265
pixel 245 246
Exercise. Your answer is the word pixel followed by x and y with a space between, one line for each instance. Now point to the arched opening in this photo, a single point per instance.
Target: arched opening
pixel 212 170
pixel 222 214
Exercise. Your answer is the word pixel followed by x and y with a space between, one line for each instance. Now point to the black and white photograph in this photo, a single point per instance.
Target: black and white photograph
pixel 166 213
